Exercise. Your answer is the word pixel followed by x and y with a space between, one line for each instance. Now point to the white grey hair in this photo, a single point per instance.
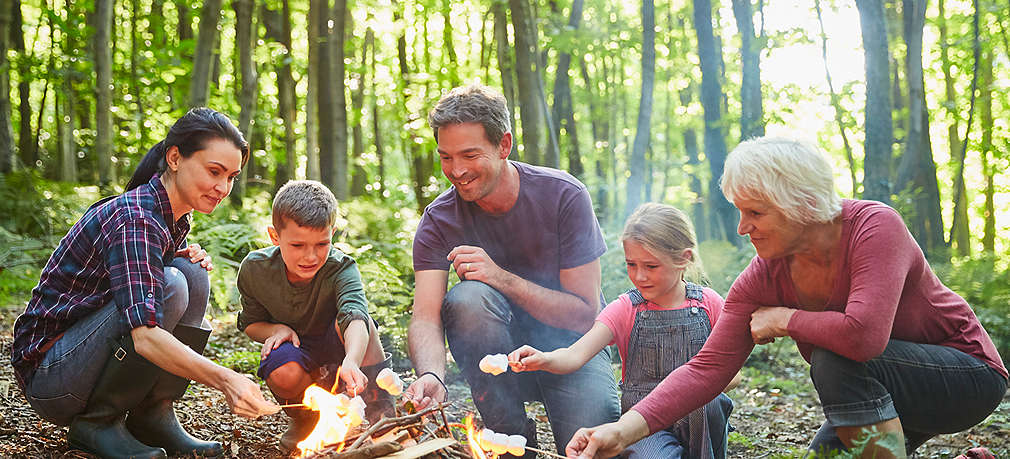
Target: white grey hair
pixel 792 175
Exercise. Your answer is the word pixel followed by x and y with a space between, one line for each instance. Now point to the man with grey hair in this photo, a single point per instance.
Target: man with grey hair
pixel 525 244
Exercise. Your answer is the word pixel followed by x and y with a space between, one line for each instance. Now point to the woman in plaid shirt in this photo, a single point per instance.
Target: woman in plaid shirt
pixel 123 283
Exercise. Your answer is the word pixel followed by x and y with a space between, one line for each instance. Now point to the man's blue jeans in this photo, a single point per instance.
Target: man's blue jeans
pixel 478 321
pixel 932 389
pixel 62 384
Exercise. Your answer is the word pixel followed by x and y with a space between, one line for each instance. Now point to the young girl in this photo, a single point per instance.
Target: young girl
pixel 657 326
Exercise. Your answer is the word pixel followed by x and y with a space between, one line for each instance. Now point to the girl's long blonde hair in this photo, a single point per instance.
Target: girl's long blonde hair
pixel 666 231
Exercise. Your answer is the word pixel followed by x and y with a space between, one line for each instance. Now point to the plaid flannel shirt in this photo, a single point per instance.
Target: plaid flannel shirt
pixel 115 252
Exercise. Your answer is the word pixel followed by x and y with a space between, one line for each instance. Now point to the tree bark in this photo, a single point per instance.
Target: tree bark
pixel 319 9
pixel 959 237
pixel 917 174
pixel 7 152
pixel 986 124
pixel 359 175
pixel 244 42
pixel 751 113
pixel 102 48
pixel 448 44
pixel 376 128
pixel 526 72
pixel 278 28
pixel 506 67
pixel 68 145
pixel 878 126
pixel 643 129
pixel 199 85
pixel 26 141
pixel 338 128
pixel 836 103
pixel 564 114
pixel 711 101
pixel 598 127
pixel 312 150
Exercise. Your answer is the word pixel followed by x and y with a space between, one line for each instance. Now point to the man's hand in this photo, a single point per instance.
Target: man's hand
pixel 425 391
pixel 354 380
pixel 281 334
pixel 768 323
pixel 196 255
pixel 473 263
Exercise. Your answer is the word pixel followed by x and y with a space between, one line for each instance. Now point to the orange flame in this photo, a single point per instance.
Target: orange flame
pixel 473 439
pixel 338 414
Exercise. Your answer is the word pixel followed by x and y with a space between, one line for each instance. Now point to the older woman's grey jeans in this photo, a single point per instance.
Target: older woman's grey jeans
pixel 61 385
pixel 932 389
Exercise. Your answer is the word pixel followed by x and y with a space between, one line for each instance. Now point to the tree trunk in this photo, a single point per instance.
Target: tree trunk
pixel 878 127
pixel 917 174
pixel 68 145
pixel 564 114
pixel 244 42
pixel 319 9
pixel 26 145
pixel 199 85
pixel 506 66
pixel 278 28
pixel 102 47
pixel 643 129
pixel 6 126
pixel 339 107
pixel 449 60
pixel 959 236
pixel 751 113
pixel 376 131
pixel 312 150
pixel 711 102
pixel 597 124
pixel 985 75
pixel 359 175
pixel 836 103
pixel 526 71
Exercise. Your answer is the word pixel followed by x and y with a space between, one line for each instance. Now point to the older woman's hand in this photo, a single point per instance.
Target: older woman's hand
pixel 768 323
pixel 608 440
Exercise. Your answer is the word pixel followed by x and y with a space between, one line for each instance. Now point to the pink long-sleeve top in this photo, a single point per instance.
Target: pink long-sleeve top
pixel 885 290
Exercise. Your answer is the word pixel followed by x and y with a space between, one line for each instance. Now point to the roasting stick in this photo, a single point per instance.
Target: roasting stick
pixel 548 453
pixel 294 405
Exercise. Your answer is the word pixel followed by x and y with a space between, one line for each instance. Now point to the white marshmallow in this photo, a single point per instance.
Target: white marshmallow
pixel 494 364
pixel 486 437
pixel 389 381
pixel 499 445
pixel 516 445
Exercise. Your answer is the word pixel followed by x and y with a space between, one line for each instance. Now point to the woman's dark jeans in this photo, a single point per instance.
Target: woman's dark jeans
pixel 932 389
pixel 62 384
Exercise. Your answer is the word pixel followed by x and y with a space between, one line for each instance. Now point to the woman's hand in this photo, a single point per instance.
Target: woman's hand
pixel 608 440
pixel 245 398
pixel 528 358
pixel 354 380
pixel 281 334
pixel 768 323
pixel 196 255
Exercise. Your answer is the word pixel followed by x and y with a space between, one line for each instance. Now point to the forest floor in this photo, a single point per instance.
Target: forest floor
pixel 775 414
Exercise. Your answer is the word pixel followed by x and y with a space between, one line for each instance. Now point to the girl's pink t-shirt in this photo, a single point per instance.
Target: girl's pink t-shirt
pixel 619 316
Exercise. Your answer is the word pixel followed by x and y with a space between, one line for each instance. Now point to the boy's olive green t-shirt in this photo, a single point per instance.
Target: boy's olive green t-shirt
pixel 335 293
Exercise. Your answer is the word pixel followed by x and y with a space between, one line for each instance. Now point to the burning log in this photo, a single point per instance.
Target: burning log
pixel 366 452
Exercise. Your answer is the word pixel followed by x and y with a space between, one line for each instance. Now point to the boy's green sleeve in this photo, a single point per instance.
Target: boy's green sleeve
pixel 252 310
pixel 351 301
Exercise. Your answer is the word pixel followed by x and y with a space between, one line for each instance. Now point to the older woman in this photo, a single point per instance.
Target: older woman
pixel 114 330
pixel 890 347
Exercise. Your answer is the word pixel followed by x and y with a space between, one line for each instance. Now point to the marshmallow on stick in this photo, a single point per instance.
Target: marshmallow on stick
pixel 389 381
pixel 494 364
pixel 516 445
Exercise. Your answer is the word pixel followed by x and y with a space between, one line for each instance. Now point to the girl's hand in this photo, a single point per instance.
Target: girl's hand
pixel 354 380
pixel 281 334
pixel 528 358
pixel 196 255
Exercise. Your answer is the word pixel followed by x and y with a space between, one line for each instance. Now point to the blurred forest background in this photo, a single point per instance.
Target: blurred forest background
pixel 640 100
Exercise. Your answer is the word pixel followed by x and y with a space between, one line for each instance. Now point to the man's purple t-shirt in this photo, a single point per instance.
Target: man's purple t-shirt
pixel 551 227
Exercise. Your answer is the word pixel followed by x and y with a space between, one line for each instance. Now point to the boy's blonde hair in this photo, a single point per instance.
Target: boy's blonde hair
pixel 307 203
pixel 666 231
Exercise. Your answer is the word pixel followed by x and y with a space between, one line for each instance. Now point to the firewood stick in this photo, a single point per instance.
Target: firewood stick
pixel 367 452
pixel 294 405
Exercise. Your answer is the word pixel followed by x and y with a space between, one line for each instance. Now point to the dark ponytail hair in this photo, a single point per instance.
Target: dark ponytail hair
pixel 189 134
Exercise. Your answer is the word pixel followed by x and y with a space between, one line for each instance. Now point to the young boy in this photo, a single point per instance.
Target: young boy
pixel 304 300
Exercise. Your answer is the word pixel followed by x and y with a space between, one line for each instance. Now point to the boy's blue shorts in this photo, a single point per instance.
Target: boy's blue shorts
pixel 314 352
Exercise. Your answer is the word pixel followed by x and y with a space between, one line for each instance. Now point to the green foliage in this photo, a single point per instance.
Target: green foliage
pixel 983 281
pixel 241 361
